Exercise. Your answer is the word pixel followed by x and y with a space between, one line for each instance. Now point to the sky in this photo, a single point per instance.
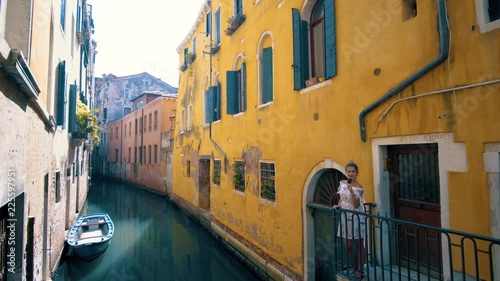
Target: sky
pixel 142 36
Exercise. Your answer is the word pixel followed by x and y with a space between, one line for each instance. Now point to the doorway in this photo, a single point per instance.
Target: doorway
pixel 415 196
pixel 204 183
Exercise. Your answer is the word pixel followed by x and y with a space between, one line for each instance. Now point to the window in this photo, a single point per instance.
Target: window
pixel 238 7
pixel 488 14
pixel 111 134
pixel 136 126
pixel 140 154
pixel 116 155
pixel 265 69
pixel 236 90
pixel 319 34
pixel 156 120
pixel 188 168
pixel 156 154
pixel 129 128
pixel 409 9
pixel 150 121
pixel 63 14
pixel 208 26
pixel 217 172
pixel 267 181
pixel 189 117
pixel 145 154
pixel 212 104
pixel 140 124
pixel 149 153
pixel 105 114
pixel 58 186
pixel 217 28
pixel 125 131
pixel 181 128
pixel 60 113
pixel 239 176
pixel 129 154
pixel 126 111
pixel 135 154
pixel 145 123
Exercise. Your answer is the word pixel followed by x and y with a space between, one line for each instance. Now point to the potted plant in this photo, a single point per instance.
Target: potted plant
pixel 234 22
pixel 86 124
pixel 190 57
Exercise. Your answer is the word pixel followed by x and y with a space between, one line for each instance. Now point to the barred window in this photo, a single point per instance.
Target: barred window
pixel 267 181
pixel 216 173
pixel 239 176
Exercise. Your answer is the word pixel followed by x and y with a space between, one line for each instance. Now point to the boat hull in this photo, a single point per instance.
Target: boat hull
pixel 90 236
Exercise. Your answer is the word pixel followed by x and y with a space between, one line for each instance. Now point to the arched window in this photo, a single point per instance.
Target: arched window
pixel 314 46
pixel 265 69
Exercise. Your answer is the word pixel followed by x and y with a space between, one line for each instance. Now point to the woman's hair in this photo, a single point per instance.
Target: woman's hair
pixel 351 164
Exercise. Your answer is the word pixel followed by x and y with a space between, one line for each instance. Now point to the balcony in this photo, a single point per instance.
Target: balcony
pixel 403 250
pixel 234 23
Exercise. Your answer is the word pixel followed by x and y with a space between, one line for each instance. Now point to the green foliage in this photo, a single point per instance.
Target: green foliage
pixel 216 177
pixel 86 123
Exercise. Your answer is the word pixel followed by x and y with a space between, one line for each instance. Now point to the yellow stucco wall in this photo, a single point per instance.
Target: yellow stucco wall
pixel 299 129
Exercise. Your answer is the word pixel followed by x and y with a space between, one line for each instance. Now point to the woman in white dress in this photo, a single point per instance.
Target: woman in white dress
pixel 352 226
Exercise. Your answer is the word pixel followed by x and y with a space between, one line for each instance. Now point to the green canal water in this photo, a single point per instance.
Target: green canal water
pixel 153 240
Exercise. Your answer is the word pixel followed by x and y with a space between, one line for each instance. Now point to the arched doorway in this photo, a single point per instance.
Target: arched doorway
pixel 319 231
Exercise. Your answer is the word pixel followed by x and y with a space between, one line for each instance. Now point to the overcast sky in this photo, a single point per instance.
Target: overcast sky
pixel 142 36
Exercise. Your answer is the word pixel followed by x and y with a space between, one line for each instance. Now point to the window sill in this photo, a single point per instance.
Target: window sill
pixel 490 26
pixel 315 87
pixel 267 202
pixel 239 114
pixel 239 192
pixel 265 104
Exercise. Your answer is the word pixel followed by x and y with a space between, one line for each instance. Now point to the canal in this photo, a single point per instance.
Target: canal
pixel 153 240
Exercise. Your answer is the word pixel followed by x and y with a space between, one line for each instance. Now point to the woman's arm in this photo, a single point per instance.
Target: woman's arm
pixel 356 202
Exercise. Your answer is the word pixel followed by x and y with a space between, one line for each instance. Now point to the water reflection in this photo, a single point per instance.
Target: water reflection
pixel 153 240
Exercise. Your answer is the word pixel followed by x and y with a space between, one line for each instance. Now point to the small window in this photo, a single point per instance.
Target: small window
pixel 140 125
pixel 129 154
pixel 58 186
pixel 135 154
pixel 145 154
pixel 129 128
pixel 149 154
pixel 181 128
pixel 145 123
pixel 208 26
pixel 140 154
pixel 125 131
pixel 217 172
pixel 488 14
pixel 189 117
pixel 63 14
pixel 217 27
pixel 156 120
pixel 409 9
pixel 150 121
pixel 156 154
pixel 267 181
pixel 188 169
pixel 111 134
pixel 116 155
pixel 239 176
pixel 126 111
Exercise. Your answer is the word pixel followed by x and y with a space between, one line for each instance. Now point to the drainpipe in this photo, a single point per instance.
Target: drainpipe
pixel 444 50
pixel 210 83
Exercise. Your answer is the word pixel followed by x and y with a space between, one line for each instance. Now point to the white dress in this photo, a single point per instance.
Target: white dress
pixel 350 222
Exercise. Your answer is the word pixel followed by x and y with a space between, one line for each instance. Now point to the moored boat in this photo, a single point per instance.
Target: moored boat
pixel 90 236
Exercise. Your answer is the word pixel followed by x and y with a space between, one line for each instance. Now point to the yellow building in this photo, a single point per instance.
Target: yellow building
pixel 275 97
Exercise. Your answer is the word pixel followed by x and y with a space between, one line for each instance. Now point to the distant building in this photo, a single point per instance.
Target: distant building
pixel 114 97
pixel 139 145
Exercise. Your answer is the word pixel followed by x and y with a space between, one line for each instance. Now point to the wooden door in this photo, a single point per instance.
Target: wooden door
pixel 414 180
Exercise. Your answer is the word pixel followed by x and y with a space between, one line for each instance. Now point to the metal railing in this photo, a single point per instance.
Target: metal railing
pixel 392 249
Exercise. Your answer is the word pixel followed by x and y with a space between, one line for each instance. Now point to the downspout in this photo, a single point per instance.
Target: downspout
pixel 210 83
pixel 444 50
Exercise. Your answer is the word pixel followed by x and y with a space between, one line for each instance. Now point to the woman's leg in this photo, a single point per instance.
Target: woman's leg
pixel 349 245
pixel 360 257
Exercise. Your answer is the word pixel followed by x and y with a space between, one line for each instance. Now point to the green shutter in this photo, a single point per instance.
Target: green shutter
pixel 267 73
pixel 300 51
pixel 207 110
pixel 61 88
pixel 330 44
pixel 209 23
pixel 72 109
pixel 232 92
pixel 212 91
pixel 186 51
pixel 217 103
pixel 243 90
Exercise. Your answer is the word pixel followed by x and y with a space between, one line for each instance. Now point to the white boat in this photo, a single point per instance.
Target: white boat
pixel 90 236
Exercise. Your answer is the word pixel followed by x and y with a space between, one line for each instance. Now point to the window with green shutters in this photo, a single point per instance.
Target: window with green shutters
pixel 212 104
pixel 217 28
pixel 320 61
pixel 61 94
pixel 267 75
pixel 208 27
pixel 72 109
pixel 236 90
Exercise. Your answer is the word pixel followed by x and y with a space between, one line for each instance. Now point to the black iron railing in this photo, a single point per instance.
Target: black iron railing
pixel 393 249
